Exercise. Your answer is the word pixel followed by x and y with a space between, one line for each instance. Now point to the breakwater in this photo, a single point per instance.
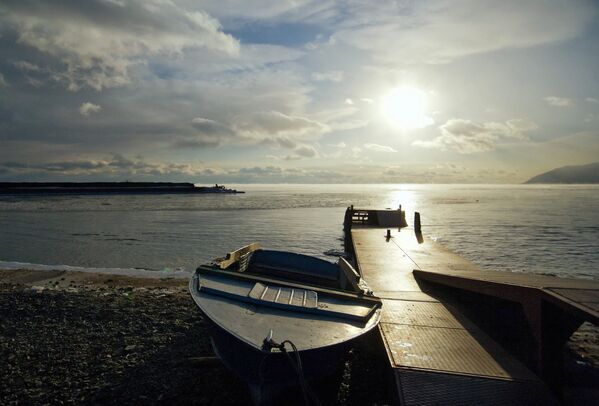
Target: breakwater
pixel 42 188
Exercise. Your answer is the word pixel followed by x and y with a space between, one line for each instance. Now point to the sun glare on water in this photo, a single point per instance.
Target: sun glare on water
pixel 405 107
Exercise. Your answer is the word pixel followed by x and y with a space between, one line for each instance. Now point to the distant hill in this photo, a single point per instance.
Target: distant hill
pixel 569 174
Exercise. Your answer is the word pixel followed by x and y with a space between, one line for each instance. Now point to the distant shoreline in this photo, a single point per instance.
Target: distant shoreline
pixel 95 188
pixel 573 174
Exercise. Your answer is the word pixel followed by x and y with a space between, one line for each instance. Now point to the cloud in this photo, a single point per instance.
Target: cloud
pixel 306 151
pixel 355 152
pixel 300 151
pixel 117 165
pixel 444 173
pixel 379 148
pixel 516 127
pixel 268 124
pixel 270 10
pixel 94 44
pixel 2 80
pixel 239 109
pixel 395 170
pixel 272 173
pixel 267 128
pixel 591 100
pixel 341 119
pixel 331 76
pixel 207 126
pixel 204 133
pixel 466 136
pixel 558 101
pixel 441 31
pixel 27 66
pixel 200 62
pixel 88 108
pixel 174 74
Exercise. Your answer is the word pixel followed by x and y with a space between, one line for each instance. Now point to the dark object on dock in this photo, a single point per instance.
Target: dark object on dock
pixel 375 218
pixel 266 308
pixel 83 188
pixel 370 218
pixel 417 226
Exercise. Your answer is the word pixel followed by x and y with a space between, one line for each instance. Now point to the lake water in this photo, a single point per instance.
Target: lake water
pixel 523 228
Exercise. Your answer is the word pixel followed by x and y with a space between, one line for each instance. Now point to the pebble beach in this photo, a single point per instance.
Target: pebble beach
pixel 82 338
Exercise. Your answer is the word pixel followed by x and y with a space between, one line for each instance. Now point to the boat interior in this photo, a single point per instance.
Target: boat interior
pixel 293 267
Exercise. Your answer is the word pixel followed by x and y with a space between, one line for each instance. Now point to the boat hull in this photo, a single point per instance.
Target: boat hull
pixel 269 374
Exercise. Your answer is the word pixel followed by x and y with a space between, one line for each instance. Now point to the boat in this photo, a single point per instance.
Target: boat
pixel 280 319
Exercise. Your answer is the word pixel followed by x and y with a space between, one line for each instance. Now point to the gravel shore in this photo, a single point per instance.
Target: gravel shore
pixel 108 342
pixel 80 338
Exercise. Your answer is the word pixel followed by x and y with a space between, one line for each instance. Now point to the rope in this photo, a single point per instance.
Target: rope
pixel 297 367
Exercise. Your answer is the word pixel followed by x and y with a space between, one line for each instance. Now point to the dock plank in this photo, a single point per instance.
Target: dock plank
pixel 451 350
pixel 424 314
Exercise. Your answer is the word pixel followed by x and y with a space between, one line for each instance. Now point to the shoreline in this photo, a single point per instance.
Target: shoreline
pixel 82 337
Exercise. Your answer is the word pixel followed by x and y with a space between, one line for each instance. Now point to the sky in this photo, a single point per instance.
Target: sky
pixel 297 91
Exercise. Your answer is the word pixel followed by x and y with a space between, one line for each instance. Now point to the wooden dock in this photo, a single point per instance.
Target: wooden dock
pixel 436 353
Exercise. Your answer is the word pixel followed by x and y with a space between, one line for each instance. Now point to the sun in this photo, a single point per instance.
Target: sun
pixel 405 107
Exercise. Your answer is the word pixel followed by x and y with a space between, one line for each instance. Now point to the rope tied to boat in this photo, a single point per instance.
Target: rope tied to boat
pixel 296 365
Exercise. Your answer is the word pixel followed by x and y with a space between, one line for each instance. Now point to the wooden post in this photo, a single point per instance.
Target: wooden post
pixel 417 222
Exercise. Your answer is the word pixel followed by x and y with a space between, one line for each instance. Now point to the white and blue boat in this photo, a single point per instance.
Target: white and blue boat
pixel 279 319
